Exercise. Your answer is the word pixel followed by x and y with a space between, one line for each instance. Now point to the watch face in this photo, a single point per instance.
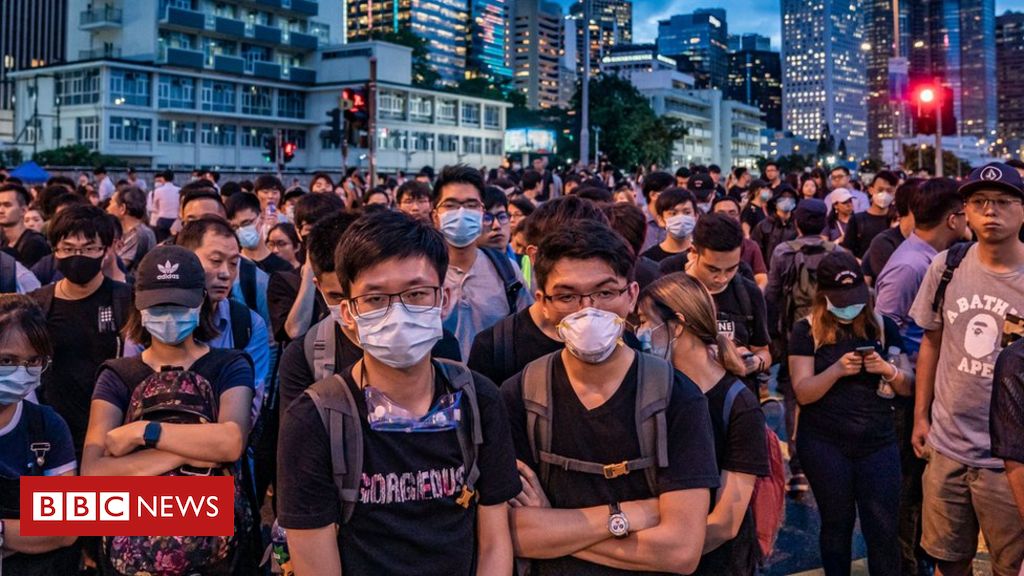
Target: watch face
pixel 618 525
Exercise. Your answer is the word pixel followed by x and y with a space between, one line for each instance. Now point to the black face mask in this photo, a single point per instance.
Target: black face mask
pixel 79 269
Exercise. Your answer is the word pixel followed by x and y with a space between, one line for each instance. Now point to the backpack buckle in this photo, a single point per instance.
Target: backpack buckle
pixel 466 498
pixel 616 470
pixel 40 449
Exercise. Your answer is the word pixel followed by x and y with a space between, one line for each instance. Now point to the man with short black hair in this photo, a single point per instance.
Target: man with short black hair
pixel 163 205
pixel 413 198
pixel 772 175
pixel 741 183
pixel 839 179
pixel 312 207
pixel 864 226
pixel 128 205
pixel 654 184
pixel 532 185
pixel 27 246
pixel 244 213
pixel 682 176
pixel 704 190
pixel 104 186
pixel 85 312
pixel 886 242
pixel 497 230
pixel 551 183
pixel 675 210
pixel 390 273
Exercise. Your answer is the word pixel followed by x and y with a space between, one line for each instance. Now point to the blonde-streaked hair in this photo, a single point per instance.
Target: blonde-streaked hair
pixel 825 326
pixel 679 294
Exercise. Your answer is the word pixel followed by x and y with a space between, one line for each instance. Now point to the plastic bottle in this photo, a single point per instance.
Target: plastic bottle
pixel 279 550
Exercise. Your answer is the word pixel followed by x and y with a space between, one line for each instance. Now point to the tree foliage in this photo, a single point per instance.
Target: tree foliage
pixel 75 155
pixel 912 163
pixel 790 163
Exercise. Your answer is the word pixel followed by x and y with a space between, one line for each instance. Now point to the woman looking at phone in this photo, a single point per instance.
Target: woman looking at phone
pixel 845 365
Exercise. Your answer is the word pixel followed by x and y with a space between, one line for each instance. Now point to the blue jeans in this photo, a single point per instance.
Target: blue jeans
pixel 845 486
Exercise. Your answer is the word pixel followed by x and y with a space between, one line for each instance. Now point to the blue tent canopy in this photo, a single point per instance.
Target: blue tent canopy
pixel 30 173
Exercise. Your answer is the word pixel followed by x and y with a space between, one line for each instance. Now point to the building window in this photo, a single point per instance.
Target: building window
pixel 255 136
pixel 494 147
pixel 321 31
pixel 422 141
pixel 392 105
pixel 446 111
pixel 471 114
pixel 213 47
pixel 392 139
pixel 125 129
pixel 87 131
pixel 447 143
pixel 492 117
pixel 470 145
pixel 291 104
pixel 420 108
pixel 218 135
pixel 218 96
pixel 129 87
pixel 257 100
pixel 182 4
pixel 79 87
pixel 176 92
pixel 252 54
pixel 176 132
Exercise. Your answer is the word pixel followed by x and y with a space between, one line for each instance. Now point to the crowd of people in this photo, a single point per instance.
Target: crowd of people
pixel 489 371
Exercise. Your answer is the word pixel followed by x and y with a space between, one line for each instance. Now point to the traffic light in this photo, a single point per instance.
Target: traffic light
pixel 334 126
pixel 288 151
pixel 353 102
pixel 929 99
pixel 270 150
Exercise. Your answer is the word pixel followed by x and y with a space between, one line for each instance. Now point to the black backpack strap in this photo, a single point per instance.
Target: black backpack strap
pixel 730 399
pixel 39 443
pixel 508 277
pixel 131 371
pixel 121 303
pixel 655 380
pixel 8 274
pixel 340 416
pixel 470 430
pixel 247 280
pixel 954 256
pixel 241 324
pixel 537 377
pixel 213 362
pixel 504 334
pixel 739 283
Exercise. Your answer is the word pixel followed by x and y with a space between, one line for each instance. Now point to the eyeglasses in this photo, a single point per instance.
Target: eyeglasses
pixel 414 300
pixel 35 366
pixel 455 205
pixel 502 218
pixel 414 202
pixel 997 203
pixel 572 302
pixel 90 251
pixel 278 244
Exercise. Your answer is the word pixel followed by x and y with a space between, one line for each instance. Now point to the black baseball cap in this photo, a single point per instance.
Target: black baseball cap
pixel 810 210
pixel 700 182
pixel 841 281
pixel 993 176
pixel 169 275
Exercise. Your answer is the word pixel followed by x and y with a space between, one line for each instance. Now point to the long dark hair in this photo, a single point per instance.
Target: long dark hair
pixel 20 315
pixel 206 331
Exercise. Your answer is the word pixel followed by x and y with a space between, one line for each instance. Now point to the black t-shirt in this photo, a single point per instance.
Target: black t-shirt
pixel 741 448
pixel 744 330
pixel 851 414
pixel 84 335
pixel 657 254
pixel 407 520
pixel 737 193
pixel 295 374
pixel 862 229
pixel 529 343
pixel 880 250
pixel 752 215
pixel 1006 421
pixel 282 290
pixel 646 271
pixel 674 263
pixel 30 247
pixel 273 263
pixel 608 434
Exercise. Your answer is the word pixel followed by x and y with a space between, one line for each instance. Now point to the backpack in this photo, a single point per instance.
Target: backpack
pixel 504 344
pixel 340 416
pixel 508 277
pixel 183 397
pixel 247 282
pixel 768 502
pixel 954 256
pixel 801 282
pixel 652 399
pixel 241 324
pixel 8 274
pixel 319 346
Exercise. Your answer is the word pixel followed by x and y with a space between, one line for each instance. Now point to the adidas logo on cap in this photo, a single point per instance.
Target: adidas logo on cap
pixel 168 271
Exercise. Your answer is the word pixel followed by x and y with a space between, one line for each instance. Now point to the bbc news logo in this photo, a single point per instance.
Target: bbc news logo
pixel 127 506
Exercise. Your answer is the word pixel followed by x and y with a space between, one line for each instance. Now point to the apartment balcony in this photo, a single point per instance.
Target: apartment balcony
pixel 186 19
pixel 181 57
pixel 267 34
pixel 229 27
pixel 302 41
pixel 99 53
pixel 229 64
pixel 302 75
pixel 267 70
pixel 303 7
pixel 100 19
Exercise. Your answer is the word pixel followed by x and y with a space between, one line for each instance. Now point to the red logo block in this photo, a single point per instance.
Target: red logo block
pixel 127 506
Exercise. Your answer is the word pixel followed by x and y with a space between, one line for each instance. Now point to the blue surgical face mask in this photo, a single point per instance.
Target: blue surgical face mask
pixel 14 387
pixel 461 227
pixel 645 334
pixel 765 195
pixel 846 313
pixel 680 226
pixel 170 324
pixel 248 236
pixel 786 205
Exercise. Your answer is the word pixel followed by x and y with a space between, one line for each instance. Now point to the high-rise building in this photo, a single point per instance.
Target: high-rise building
pixel 823 82
pixel 489 40
pixel 755 76
pixel 611 24
pixel 703 39
pixel 884 113
pixel 31 35
pixel 442 23
pixel 1009 72
pixel 538 37
pixel 955 43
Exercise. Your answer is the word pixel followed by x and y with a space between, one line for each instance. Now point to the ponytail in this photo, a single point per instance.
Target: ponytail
pixel 728 356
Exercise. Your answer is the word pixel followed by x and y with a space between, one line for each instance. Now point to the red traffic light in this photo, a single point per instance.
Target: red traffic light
pixel 289 148
pixel 927 94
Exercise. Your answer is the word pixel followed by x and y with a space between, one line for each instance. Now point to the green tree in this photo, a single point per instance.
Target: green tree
pixel 916 159
pixel 789 163
pixel 75 155
pixel 631 133
pixel 423 73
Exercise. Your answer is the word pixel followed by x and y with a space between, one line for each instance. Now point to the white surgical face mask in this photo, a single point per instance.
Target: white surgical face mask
pixel 591 334
pixel 883 200
pixel 400 337
pixel 680 226
pixel 248 236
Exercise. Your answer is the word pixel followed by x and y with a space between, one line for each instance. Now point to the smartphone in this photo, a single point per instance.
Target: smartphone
pixel 1013 329
pixel 865 351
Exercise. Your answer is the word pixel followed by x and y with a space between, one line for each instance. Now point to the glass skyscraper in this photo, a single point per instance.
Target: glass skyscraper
pixel 489 35
pixel 702 40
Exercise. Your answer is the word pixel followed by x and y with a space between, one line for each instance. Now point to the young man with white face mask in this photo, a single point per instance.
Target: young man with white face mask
pixel 243 211
pixel 478 285
pixel 864 226
pixel 589 505
pixel 676 211
pixel 390 269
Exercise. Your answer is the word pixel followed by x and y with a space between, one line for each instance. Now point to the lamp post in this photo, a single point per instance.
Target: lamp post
pixel 585 88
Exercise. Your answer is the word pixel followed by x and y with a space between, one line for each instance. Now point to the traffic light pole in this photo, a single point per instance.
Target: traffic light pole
pixel 938 136
pixel 279 153
pixel 371 122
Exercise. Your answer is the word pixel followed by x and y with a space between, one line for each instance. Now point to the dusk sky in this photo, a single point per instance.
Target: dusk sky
pixel 757 15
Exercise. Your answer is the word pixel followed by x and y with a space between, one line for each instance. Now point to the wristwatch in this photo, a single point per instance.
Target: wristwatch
pixel 618 524
pixel 152 434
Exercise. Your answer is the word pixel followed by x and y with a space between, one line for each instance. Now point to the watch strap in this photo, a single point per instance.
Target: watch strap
pixel 152 434
pixel 614 508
